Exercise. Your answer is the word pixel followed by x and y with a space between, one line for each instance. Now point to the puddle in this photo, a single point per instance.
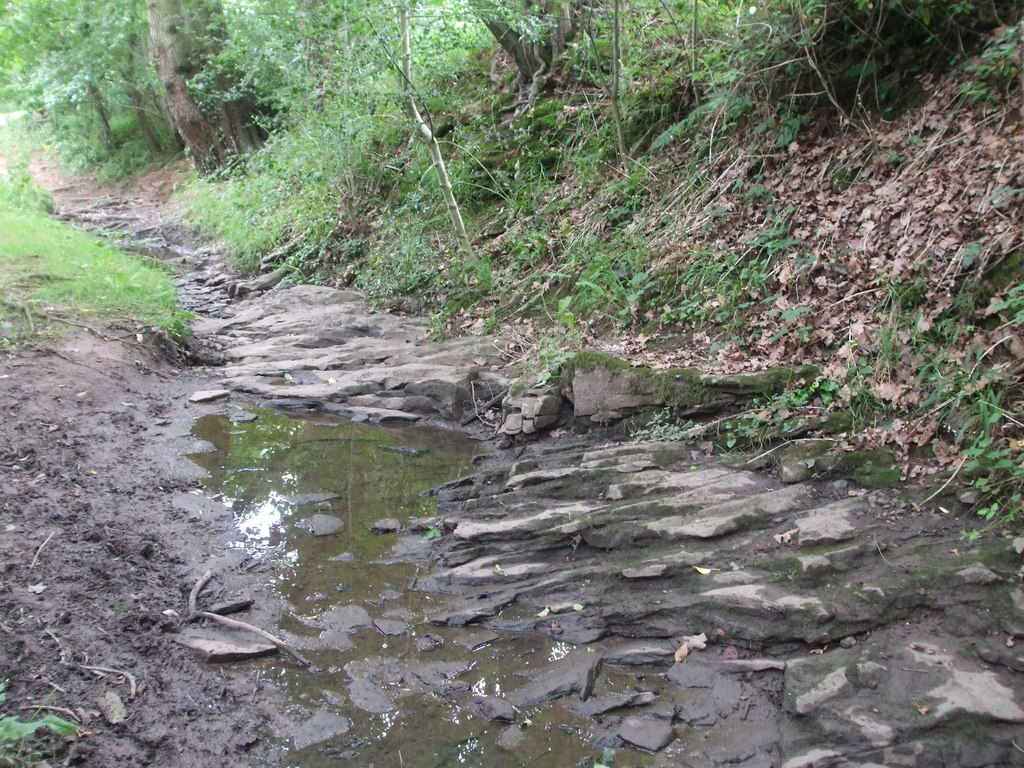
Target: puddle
pixel 279 471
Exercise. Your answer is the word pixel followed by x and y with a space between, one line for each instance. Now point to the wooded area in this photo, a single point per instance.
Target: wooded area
pixel 730 184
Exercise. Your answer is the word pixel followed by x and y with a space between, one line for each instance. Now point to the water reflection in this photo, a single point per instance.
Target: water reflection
pixel 279 472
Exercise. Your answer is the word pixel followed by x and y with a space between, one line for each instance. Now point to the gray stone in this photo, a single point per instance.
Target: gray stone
pixel 829 524
pixel 474 640
pixel 369 697
pixel 978 574
pixel 573 675
pixel 652 571
pixel 646 735
pixel 494 708
pixel 640 654
pixel 321 727
pixel 428 642
pixel 599 706
pixel 306 499
pixel 323 525
pixel 387 525
pixel 390 627
pixel 976 693
pixel 346 618
pixel 216 647
pixel 208 395
pixel 437 673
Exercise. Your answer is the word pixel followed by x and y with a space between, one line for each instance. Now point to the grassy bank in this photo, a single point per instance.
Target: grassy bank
pixel 51 273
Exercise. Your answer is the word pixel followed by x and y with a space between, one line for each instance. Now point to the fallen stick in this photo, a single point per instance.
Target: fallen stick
pixel 235 624
pixel 60 710
pixel 194 594
pixel 5 629
pixel 486 407
pixel 132 687
pixel 47 541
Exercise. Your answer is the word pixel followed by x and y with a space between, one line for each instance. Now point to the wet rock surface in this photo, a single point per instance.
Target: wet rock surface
pixel 843 627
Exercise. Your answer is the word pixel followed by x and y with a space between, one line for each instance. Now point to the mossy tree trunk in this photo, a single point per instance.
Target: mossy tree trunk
pixel 185 37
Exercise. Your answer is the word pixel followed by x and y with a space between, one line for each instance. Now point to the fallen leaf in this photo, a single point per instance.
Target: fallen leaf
pixel 556 628
pixel 704 571
pixel 921 706
pixel 542 614
pixel 577 607
pixel 37 589
pixel 691 643
pixel 497 570
pixel 558 432
pixel 731 653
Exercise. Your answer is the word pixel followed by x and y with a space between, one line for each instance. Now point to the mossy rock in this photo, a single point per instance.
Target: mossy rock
pixel 873 468
pixel 606 388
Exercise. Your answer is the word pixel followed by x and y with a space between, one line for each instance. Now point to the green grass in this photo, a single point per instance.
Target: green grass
pixel 49 272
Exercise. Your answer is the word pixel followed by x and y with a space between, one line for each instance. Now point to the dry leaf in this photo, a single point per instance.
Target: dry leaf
pixel 542 614
pixel 921 706
pixel 682 653
pixel 691 643
pixel 701 570
pixel 37 589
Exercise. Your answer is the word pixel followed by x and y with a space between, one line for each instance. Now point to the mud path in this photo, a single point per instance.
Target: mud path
pixel 544 607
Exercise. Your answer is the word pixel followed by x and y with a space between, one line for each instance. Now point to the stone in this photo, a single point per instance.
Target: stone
pixel 474 640
pixel 642 653
pixel 307 499
pixel 652 571
pixel 572 675
pixel 390 627
pixel 646 735
pixel 387 525
pixel 831 686
pixel 346 618
pixel 976 693
pixel 323 525
pixel 829 524
pixel 321 727
pixel 437 673
pixel 495 708
pixel 428 642
pixel 370 698
pixel 978 574
pixel 599 706
pixel 218 647
pixel 208 395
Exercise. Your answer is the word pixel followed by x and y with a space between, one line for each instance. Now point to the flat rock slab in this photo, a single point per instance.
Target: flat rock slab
pixel 604 704
pixel 321 727
pixel 215 646
pixel 208 395
pixel 390 627
pixel 474 640
pixel 369 697
pixel 573 675
pixel 346 618
pixel 323 525
pixel 307 499
pixel 387 525
pixel 495 708
pixel 646 735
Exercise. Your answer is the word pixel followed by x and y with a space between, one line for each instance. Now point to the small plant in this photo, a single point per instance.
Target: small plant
pixel 18 738
pixel 663 427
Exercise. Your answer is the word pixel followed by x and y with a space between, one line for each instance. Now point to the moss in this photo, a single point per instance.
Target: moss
pixel 1006 272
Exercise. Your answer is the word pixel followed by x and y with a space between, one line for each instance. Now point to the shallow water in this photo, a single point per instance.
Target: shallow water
pixel 264 471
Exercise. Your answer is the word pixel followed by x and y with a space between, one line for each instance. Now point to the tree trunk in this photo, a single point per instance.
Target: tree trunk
pixel 101 111
pixel 435 150
pixel 185 36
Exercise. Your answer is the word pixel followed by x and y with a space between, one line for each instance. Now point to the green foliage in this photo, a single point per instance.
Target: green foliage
pixel 19 739
pixel 662 427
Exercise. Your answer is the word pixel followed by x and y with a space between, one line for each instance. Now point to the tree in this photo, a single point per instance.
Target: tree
pixel 215 120
pixel 535 37
pixel 424 129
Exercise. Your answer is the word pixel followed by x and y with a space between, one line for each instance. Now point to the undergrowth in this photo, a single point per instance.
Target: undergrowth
pixel 21 742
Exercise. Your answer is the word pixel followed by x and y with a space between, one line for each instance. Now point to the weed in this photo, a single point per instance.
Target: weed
pixel 19 739
pixel 662 427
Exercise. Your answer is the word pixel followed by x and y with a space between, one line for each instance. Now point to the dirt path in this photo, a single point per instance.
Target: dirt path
pixel 101 540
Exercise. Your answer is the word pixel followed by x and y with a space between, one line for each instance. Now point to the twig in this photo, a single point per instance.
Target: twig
pixel 61 710
pixel 64 656
pixel 943 486
pixel 194 594
pixel 887 562
pixel 486 407
pixel 132 686
pixel 5 629
pixel 47 541
pixel 235 624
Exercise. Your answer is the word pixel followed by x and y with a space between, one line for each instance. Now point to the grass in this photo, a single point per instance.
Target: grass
pixel 49 272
